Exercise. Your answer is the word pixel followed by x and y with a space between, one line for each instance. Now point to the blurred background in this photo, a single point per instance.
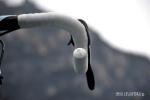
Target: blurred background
pixel 38 63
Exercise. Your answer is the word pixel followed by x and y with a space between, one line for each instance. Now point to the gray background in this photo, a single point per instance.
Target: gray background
pixel 38 65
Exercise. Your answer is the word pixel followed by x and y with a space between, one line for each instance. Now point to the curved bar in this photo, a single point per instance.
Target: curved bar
pixel 77 28
pixel 73 26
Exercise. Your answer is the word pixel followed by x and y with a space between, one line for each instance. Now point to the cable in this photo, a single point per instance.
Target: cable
pixel 1 58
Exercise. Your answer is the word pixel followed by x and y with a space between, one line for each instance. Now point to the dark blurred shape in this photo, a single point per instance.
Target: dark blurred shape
pixel 38 66
pixel 8 24
pixel 1 77
pixel 1 58
pixel 89 73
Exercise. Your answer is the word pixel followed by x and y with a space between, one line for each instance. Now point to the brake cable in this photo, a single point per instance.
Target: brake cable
pixel 1 58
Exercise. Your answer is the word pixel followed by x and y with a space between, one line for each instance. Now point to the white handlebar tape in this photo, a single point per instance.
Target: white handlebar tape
pixel 73 26
pixel 80 60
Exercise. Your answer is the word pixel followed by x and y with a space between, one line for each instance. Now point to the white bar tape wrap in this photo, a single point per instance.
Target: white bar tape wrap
pixel 73 26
